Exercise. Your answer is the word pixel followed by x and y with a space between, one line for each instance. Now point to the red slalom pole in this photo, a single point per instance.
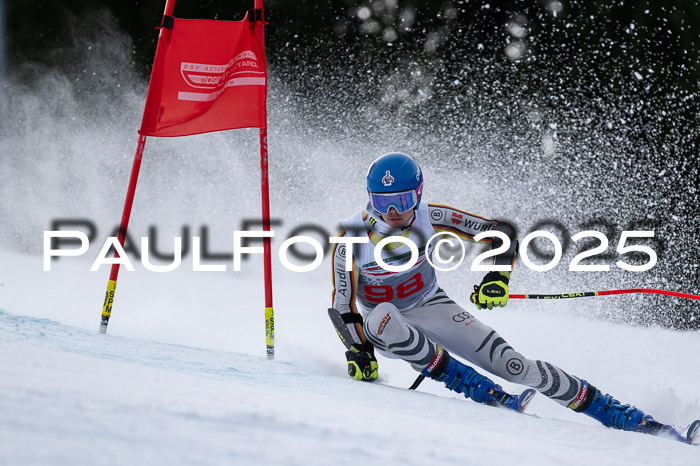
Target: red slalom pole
pixel 129 201
pixel 604 293
pixel 126 214
pixel 267 251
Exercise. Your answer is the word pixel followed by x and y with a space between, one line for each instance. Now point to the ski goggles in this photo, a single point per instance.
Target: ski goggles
pixel 402 202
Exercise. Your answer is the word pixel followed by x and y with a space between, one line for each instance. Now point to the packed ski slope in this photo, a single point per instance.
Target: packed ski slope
pixel 181 378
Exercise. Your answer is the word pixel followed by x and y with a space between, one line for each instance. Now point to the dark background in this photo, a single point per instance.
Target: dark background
pixel 572 49
pixel 665 34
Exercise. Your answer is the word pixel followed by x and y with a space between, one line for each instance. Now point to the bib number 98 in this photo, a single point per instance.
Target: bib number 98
pixel 385 293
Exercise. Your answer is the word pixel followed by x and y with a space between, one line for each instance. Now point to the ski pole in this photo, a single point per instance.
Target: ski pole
pixel 417 382
pixel 603 293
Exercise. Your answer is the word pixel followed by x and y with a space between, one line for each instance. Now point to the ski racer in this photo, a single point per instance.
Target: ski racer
pixel 406 315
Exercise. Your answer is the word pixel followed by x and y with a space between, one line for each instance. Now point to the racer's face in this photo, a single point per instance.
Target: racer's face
pixel 397 220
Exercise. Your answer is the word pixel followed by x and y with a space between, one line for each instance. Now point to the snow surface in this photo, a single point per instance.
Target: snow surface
pixel 182 378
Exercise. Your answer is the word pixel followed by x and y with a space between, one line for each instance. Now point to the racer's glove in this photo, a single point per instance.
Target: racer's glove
pixel 362 365
pixel 493 290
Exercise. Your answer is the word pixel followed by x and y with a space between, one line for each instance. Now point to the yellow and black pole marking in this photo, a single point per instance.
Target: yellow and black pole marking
pixel 107 307
pixel 270 332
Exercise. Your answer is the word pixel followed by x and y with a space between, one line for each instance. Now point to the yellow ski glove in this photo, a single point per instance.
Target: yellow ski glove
pixel 493 290
pixel 362 365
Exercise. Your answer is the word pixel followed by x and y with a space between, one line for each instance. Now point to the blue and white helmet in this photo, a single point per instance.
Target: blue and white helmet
pixel 394 180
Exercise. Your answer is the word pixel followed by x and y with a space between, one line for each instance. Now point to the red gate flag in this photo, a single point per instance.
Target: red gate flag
pixel 207 76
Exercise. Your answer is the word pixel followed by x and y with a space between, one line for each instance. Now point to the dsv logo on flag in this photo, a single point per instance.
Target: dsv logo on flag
pixel 242 70
pixel 207 76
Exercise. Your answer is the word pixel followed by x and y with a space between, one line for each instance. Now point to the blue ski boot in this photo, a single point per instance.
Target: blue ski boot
pixel 461 378
pixel 611 413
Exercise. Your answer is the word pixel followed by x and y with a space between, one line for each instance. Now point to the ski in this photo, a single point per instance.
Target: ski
pixel 517 402
pixel 525 398
pixel 692 433
pixel 685 433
